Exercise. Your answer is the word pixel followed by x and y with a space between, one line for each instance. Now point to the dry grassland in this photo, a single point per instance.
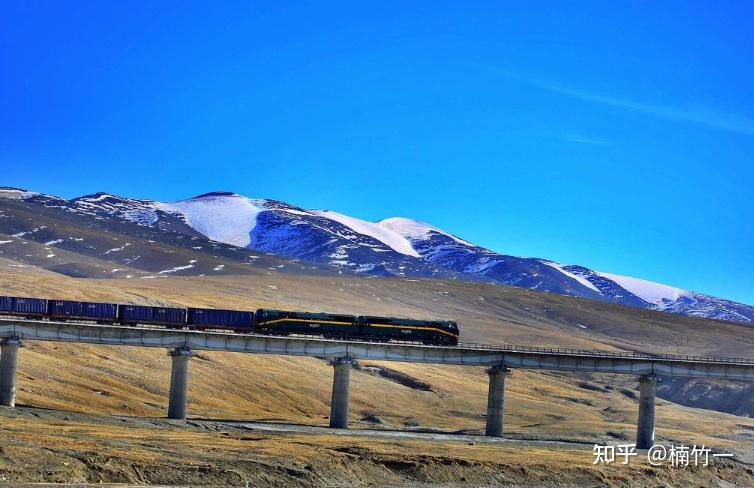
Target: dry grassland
pixel 93 413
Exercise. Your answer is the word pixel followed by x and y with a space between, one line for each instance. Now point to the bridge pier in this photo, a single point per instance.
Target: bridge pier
pixel 8 367
pixel 179 383
pixel 496 401
pixel 645 432
pixel 340 391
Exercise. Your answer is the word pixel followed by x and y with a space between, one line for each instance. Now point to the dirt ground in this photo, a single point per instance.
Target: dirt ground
pixel 82 448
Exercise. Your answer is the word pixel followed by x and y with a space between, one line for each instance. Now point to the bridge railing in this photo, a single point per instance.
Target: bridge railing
pixel 608 354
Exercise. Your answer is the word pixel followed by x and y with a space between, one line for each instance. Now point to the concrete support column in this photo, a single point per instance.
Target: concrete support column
pixel 496 401
pixel 645 433
pixel 340 387
pixel 178 383
pixel 8 367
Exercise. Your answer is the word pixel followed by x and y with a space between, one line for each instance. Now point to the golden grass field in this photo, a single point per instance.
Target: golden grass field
pixel 94 413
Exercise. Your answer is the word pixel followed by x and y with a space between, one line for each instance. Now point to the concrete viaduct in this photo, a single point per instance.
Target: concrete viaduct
pixel 499 361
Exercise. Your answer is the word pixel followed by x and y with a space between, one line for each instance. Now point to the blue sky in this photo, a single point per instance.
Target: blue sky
pixel 616 135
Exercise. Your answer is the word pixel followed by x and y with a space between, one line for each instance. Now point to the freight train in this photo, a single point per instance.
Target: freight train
pixel 261 321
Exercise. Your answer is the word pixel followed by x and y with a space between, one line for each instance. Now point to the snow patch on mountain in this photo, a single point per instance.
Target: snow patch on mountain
pixel 227 218
pixel 482 265
pixel 15 193
pixel 416 229
pixel 98 197
pixel 176 269
pixel 383 234
pixel 649 291
pixel 577 277
pixel 12 193
pixel 142 212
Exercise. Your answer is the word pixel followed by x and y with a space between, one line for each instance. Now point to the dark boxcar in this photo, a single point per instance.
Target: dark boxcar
pixel 426 331
pixel 30 307
pixel 69 309
pixel 140 314
pixel 6 304
pixel 324 324
pixel 210 318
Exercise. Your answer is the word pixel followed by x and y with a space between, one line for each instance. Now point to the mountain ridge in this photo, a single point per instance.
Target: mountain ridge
pixel 395 246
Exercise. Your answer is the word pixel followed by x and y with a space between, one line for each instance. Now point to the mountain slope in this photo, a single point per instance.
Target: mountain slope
pixel 392 247
pixel 85 240
pixel 451 252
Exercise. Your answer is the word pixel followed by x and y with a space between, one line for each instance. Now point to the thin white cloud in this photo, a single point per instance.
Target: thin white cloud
pixel 695 115
pixel 701 116
pixel 580 139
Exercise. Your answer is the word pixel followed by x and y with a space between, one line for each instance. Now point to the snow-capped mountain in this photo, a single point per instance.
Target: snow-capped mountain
pixel 451 252
pixel 82 239
pixel 454 253
pixel 273 227
pixel 392 247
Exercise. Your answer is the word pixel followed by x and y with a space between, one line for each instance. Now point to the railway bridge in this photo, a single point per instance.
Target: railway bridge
pixel 498 360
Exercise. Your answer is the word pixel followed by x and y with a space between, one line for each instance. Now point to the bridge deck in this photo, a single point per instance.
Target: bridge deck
pixel 463 354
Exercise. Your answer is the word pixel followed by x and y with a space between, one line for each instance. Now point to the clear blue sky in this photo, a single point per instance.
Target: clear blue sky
pixel 617 135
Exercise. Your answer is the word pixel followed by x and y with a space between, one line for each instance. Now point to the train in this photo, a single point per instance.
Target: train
pixel 261 321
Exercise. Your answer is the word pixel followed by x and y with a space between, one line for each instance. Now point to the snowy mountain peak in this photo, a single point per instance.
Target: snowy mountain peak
pixel 12 189
pixel 387 236
pixel 108 197
pixel 649 291
pixel 14 193
pixel 142 212
pixel 576 276
pixel 415 229
pixel 223 217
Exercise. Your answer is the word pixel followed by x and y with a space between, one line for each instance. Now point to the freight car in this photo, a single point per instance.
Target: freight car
pixel 140 314
pixel 103 313
pixel 210 318
pixel 31 308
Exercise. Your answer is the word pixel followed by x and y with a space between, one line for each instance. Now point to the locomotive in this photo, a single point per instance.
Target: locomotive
pixel 261 321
